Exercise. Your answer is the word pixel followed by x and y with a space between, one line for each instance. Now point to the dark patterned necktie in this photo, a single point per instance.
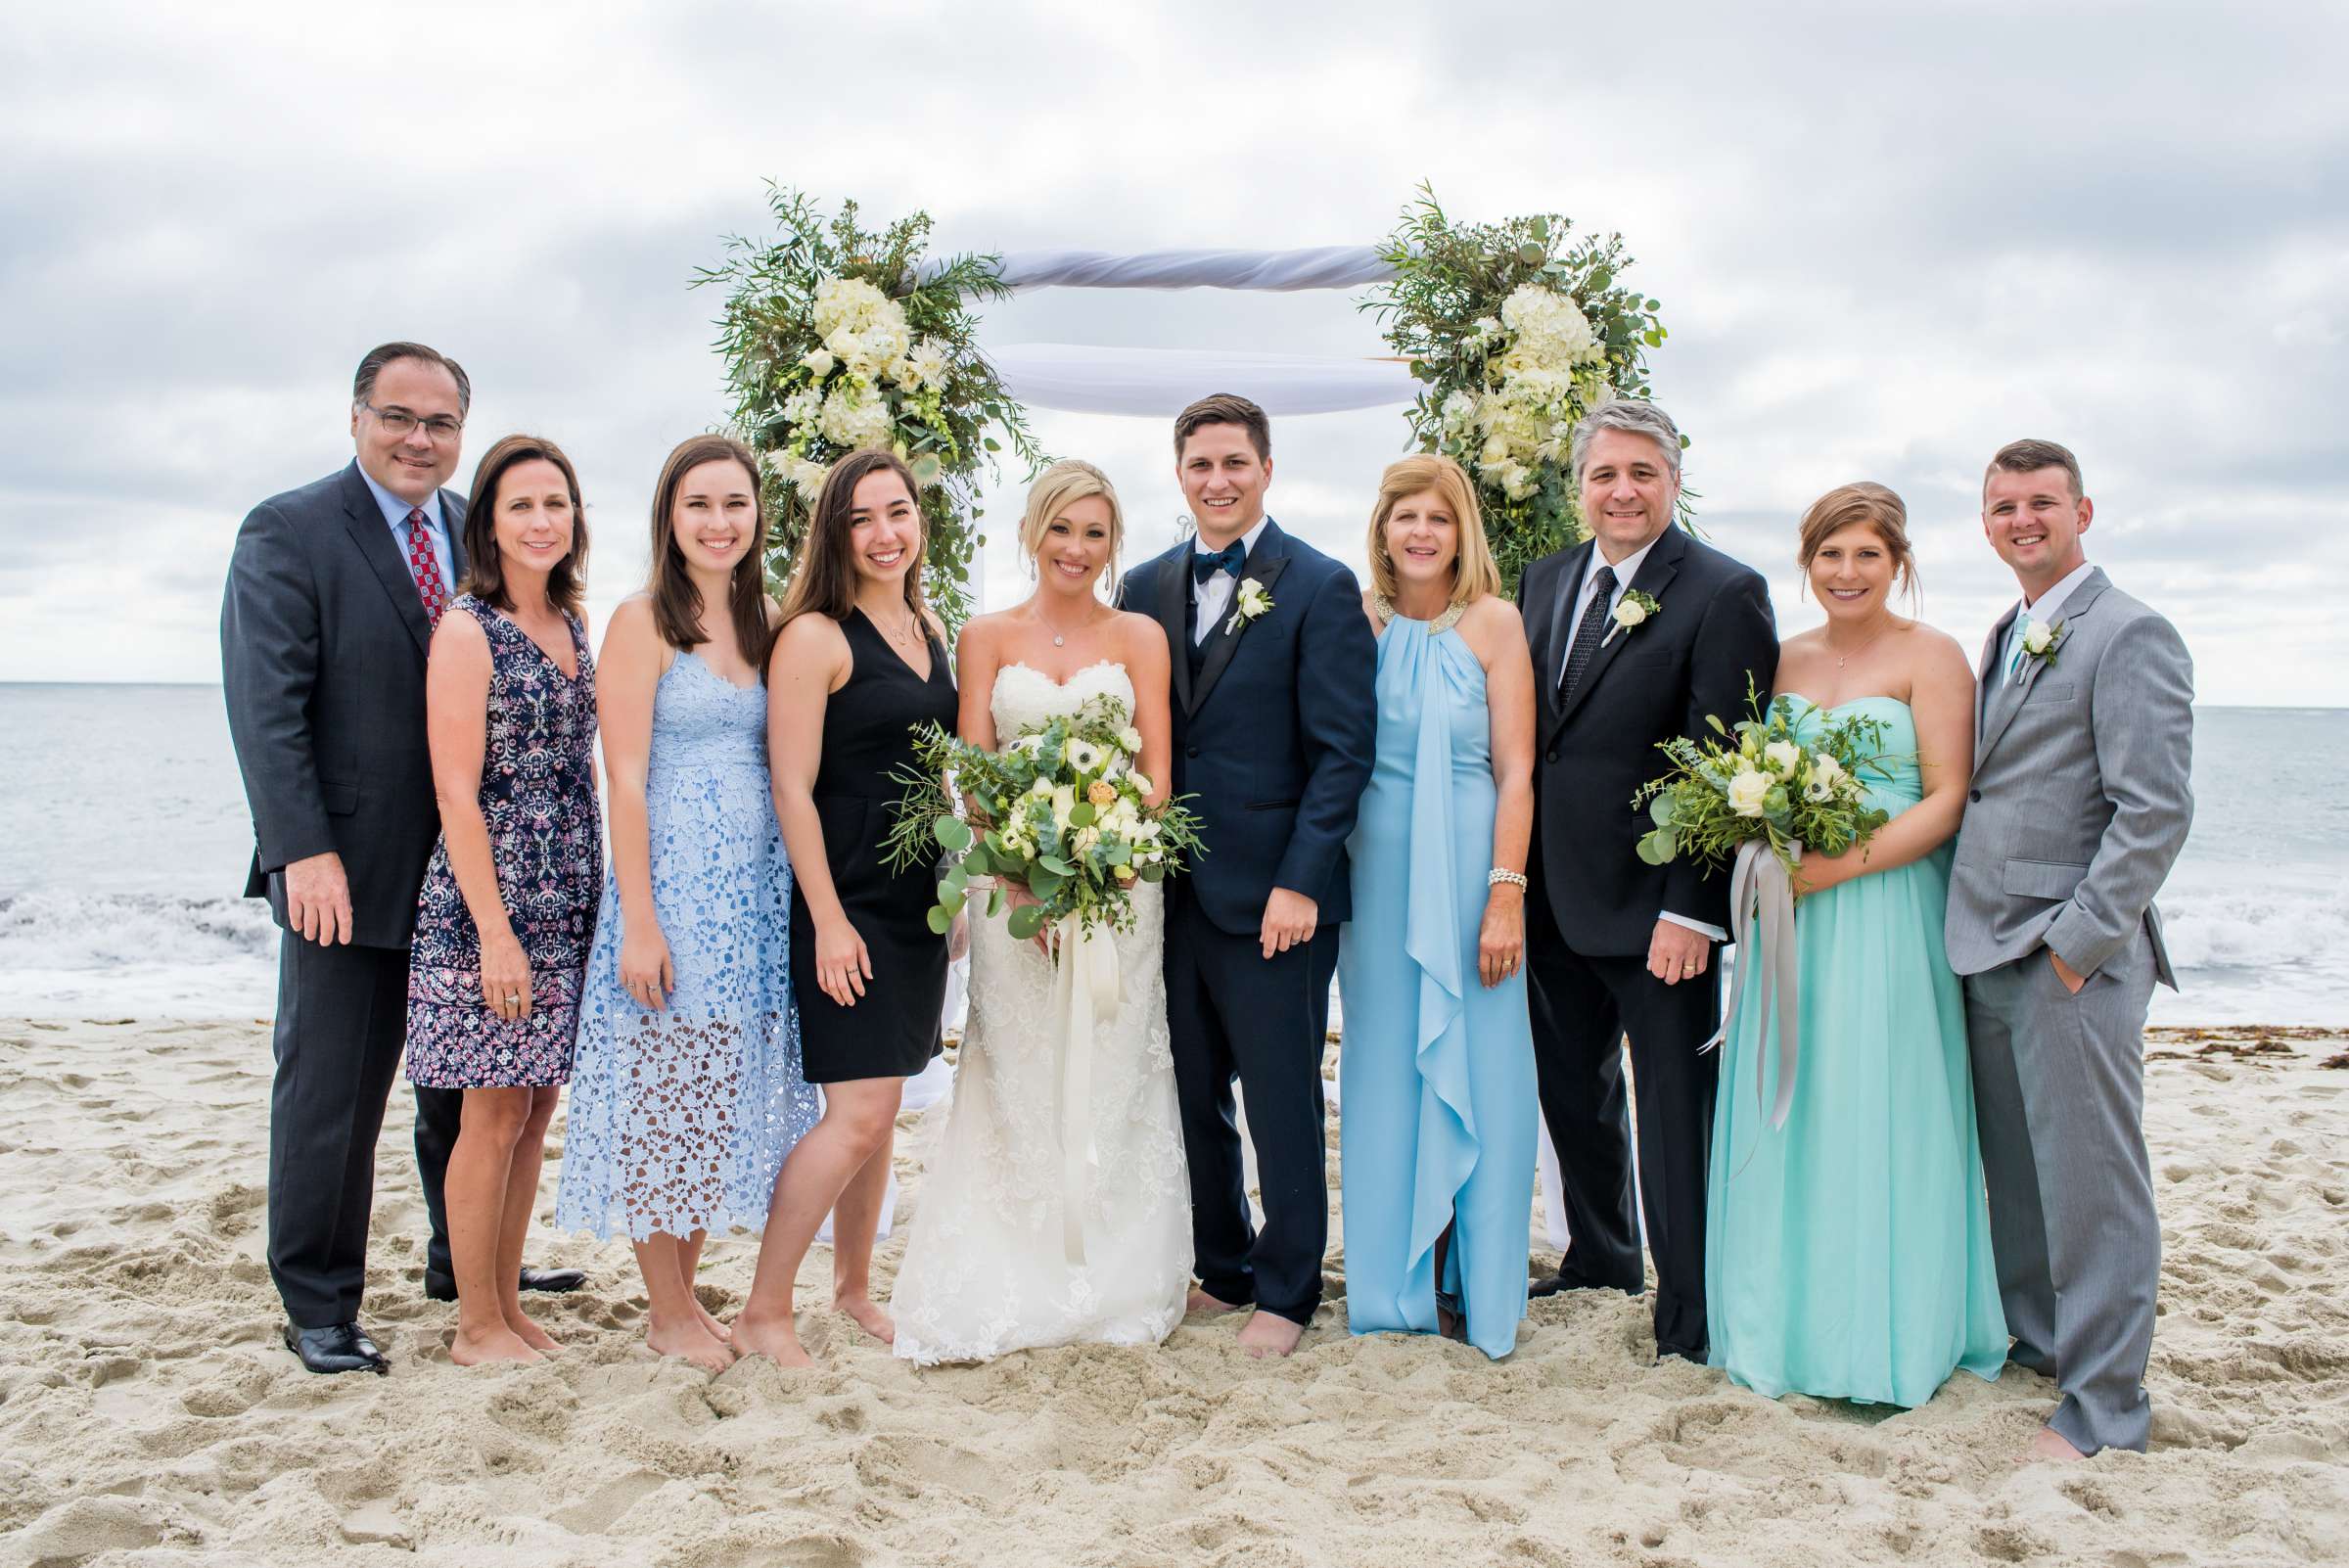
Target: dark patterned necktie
pixel 423 565
pixel 1588 635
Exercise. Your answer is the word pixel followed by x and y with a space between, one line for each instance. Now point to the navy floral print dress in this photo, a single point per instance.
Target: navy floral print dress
pixel 546 841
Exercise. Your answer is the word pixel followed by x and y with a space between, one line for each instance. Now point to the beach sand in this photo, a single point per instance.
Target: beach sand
pixel 149 1416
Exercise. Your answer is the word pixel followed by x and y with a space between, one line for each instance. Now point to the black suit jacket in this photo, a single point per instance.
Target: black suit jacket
pixel 322 648
pixel 1277 735
pixel 1645 685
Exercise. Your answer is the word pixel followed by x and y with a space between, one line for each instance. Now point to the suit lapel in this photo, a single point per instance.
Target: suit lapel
pixel 453 521
pixel 1999 710
pixel 1987 677
pixel 1173 586
pixel 1265 563
pixel 1555 632
pixel 1662 565
pixel 364 520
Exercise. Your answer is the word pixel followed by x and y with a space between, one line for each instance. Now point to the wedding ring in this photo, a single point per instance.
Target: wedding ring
pixel 512 997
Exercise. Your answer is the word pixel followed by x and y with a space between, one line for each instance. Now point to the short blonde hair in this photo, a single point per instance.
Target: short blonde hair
pixel 1474 572
pixel 1061 487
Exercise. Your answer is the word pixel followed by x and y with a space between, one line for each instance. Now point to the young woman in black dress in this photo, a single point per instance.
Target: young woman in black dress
pixel 859 664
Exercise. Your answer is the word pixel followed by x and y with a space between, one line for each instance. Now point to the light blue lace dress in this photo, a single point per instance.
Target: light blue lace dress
pixel 679 1119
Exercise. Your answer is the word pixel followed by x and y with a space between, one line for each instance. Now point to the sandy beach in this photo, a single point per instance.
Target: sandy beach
pixel 149 1416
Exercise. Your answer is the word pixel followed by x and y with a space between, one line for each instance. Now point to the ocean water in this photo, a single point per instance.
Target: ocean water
pixel 124 842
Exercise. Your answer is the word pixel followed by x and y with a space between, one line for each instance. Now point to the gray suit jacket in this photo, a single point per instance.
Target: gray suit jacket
pixel 2081 799
pixel 322 647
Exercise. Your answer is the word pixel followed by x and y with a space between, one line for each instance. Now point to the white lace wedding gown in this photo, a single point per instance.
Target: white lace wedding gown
pixel 988 1265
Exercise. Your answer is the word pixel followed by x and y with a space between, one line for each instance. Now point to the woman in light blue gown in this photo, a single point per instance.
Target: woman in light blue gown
pixel 1437 1103
pixel 686 1092
pixel 1848 1252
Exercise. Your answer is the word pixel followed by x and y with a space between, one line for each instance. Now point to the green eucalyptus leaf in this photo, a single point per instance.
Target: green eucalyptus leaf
pixel 954 833
pixel 941 917
pixel 1026 921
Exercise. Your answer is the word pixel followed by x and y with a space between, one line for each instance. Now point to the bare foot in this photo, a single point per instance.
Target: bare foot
pixel 2048 1444
pixel 711 1325
pixel 1269 1334
pixel 499 1344
pixel 531 1334
pixel 1199 1301
pixel 869 1318
pixel 691 1342
pixel 774 1338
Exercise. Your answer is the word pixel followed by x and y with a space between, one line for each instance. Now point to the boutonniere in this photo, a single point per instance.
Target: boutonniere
pixel 1248 603
pixel 1631 612
pixel 2041 642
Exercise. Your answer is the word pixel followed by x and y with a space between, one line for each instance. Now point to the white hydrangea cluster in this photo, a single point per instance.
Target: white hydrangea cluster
pixel 863 347
pixel 1544 368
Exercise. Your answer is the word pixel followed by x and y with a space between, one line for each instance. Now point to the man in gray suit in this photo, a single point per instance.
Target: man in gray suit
pixel 2080 801
pixel 333 594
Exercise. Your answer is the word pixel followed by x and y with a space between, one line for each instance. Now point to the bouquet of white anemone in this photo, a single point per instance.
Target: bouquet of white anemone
pixel 1061 809
pixel 1759 782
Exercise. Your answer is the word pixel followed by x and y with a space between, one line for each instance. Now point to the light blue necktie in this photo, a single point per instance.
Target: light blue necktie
pixel 2014 650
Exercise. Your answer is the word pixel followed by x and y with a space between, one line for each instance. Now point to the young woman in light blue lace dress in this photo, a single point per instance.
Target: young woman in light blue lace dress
pixel 687 1091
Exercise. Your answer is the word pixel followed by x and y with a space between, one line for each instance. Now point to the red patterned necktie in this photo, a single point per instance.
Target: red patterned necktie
pixel 424 567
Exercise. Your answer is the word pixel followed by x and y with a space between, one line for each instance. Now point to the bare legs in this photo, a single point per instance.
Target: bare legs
pixel 678 1325
pixel 843 1165
pixel 493 1185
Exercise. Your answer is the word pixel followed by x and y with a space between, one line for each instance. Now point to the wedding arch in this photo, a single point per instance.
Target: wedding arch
pixel 1500 337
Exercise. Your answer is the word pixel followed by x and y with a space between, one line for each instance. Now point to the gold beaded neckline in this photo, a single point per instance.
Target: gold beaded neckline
pixel 1444 623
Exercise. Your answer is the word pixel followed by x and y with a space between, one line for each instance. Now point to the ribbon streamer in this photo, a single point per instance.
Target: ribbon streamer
pixel 1760 890
pixel 1085 997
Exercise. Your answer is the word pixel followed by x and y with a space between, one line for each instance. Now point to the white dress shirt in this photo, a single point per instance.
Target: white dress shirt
pixel 1625 570
pixel 2045 610
pixel 396 513
pixel 1214 596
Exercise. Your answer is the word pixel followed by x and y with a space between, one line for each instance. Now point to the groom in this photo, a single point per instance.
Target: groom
pixel 2082 745
pixel 1614 945
pixel 1273 732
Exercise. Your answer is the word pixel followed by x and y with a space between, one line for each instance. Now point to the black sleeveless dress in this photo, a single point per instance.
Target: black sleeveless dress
pixel 893 1031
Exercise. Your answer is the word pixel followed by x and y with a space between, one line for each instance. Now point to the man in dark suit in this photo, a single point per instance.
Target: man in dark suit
pixel 1275 722
pixel 1615 945
pixel 333 592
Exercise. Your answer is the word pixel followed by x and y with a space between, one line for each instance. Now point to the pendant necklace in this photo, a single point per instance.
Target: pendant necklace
pixel 1842 659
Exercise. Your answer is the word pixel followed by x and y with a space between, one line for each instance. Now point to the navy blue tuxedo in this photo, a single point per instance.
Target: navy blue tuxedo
pixel 1593 908
pixel 323 639
pixel 1274 735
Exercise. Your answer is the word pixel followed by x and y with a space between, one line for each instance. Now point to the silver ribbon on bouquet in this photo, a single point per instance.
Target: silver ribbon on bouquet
pixel 1762 894
pixel 1084 999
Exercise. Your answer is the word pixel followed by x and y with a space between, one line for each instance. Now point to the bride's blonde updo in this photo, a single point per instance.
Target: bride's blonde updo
pixel 1055 491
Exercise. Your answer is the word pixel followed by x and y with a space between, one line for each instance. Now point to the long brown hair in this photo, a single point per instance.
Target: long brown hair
pixel 484 572
pixel 676 602
pixel 825 578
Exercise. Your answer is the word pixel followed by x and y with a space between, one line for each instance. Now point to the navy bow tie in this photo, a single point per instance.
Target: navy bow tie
pixel 1232 558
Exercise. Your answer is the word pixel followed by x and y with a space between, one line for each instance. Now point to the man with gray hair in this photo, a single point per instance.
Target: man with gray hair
pixel 1637 636
pixel 2079 805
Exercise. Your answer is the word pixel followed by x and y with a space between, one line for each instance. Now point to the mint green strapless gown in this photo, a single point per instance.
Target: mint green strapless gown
pixel 1848 1253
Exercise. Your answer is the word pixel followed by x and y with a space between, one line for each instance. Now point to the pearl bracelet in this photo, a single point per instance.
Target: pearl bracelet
pixel 1496 876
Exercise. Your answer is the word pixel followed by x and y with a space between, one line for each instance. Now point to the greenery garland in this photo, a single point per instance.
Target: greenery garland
pixel 1517 335
pixel 837 337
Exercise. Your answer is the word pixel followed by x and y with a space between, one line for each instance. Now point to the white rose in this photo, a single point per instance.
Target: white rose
pixel 1132 739
pixel 2037 639
pixel 1747 791
pixel 1142 783
pixel 1783 755
pixel 1824 770
pixel 1086 838
pixel 818 363
pixel 1629 613
pixel 1064 801
pixel 1043 784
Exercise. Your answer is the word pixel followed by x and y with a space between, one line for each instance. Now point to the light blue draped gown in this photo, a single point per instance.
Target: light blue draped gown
pixel 1437 1104
pixel 1848 1253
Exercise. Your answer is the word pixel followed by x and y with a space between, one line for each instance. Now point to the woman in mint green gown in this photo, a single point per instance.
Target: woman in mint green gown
pixel 1437 1100
pixel 1848 1252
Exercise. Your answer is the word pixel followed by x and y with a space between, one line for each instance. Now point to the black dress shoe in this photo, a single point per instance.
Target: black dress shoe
pixel 336 1348
pixel 1551 1285
pixel 555 1281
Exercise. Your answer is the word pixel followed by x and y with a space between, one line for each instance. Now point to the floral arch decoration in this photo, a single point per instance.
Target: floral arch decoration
pixel 836 337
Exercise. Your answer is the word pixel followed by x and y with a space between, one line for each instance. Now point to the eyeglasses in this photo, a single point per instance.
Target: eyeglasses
pixel 398 422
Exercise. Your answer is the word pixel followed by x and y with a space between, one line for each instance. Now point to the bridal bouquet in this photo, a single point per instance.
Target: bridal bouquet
pixel 1757 782
pixel 1060 808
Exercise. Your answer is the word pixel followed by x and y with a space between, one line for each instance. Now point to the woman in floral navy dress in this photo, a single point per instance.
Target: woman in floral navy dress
pixel 509 900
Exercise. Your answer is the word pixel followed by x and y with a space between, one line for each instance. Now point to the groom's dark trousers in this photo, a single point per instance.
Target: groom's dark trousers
pixel 322 644
pixel 1275 730
pixel 1594 905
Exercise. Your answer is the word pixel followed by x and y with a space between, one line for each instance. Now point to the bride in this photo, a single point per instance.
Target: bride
pixel 990 1266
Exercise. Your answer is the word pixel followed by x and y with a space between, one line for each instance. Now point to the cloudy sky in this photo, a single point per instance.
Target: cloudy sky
pixel 1887 240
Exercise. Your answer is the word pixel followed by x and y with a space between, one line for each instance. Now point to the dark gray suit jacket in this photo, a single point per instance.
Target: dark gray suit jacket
pixel 322 648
